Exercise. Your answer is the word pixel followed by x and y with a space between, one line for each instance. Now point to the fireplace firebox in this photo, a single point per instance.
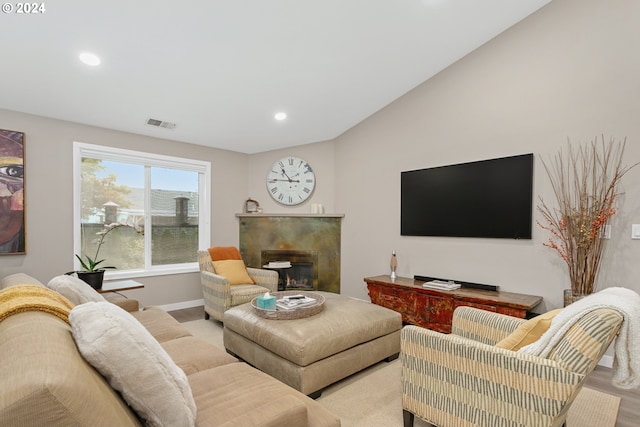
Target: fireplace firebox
pixel 303 273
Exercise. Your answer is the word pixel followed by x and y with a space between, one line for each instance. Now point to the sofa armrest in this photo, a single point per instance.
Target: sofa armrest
pixel 282 411
pixel 266 278
pixel 482 325
pixel 127 304
pixel 443 372
pixel 19 279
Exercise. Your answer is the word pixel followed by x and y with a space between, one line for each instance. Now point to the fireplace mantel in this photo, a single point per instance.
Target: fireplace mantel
pixel 293 215
pixel 319 233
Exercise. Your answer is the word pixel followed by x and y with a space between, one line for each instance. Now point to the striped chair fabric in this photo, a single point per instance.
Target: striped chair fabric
pixel 461 379
pixel 219 295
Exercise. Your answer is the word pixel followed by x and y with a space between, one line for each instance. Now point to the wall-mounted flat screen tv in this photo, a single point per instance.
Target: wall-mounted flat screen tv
pixel 487 198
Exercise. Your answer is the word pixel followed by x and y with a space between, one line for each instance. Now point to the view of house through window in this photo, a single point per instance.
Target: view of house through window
pixel 154 204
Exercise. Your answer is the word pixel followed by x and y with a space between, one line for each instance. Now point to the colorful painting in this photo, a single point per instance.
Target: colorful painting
pixel 12 240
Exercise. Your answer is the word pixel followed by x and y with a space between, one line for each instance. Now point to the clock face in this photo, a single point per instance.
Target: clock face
pixel 290 181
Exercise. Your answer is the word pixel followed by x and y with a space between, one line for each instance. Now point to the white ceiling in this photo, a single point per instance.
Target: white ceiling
pixel 221 69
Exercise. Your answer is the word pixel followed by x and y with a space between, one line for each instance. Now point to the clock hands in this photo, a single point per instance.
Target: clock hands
pixel 285 174
pixel 286 180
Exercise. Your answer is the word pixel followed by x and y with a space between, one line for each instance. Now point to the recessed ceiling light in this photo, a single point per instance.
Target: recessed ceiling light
pixel 280 116
pixel 90 59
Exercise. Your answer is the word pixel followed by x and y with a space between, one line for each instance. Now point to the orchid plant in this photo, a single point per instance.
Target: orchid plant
pixel 94 264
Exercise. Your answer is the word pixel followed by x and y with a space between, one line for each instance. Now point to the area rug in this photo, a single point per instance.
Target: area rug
pixel 372 397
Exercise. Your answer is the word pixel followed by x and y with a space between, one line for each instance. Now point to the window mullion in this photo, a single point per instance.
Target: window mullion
pixel 148 230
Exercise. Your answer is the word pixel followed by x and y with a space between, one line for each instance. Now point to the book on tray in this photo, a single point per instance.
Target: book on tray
pixel 292 302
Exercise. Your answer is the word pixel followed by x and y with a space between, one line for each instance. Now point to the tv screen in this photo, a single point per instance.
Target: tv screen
pixel 487 198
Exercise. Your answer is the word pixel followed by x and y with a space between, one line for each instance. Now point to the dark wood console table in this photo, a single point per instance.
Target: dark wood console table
pixel 433 308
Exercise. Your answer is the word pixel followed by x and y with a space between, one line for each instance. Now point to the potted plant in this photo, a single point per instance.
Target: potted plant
pixel 585 183
pixel 92 269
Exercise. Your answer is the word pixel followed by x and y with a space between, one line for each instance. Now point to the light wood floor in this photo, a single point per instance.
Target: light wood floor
pixel 600 379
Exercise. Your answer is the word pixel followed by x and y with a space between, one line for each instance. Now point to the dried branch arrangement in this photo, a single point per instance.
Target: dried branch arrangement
pixel 585 183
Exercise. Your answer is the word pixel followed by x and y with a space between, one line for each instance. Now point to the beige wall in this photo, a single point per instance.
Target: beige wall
pixel 49 199
pixel 569 70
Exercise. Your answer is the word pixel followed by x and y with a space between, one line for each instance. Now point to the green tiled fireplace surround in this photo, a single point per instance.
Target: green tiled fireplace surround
pixel 319 233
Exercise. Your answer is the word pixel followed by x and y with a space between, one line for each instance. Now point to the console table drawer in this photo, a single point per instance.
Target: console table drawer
pixel 397 299
pixel 434 312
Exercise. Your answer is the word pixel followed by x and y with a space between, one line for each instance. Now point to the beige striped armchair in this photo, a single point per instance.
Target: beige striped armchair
pixel 463 379
pixel 220 295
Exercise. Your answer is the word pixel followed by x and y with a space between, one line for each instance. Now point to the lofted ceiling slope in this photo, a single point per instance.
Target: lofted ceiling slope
pixel 221 69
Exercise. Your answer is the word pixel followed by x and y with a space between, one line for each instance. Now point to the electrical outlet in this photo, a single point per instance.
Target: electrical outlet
pixel 635 231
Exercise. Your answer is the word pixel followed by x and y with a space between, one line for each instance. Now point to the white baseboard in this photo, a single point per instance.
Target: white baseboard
pixel 182 305
pixel 606 361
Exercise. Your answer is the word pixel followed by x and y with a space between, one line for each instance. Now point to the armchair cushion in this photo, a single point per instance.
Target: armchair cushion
pixel 219 253
pixel 234 270
pixel 528 332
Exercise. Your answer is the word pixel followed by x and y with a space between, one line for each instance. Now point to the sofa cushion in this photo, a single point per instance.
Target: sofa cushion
pixel 237 390
pixel 74 289
pixel 160 324
pixel 134 363
pixel 281 411
pixel 194 354
pixel 234 270
pixel 528 332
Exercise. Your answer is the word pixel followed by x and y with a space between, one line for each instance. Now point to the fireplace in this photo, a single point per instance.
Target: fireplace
pixel 314 237
pixel 303 273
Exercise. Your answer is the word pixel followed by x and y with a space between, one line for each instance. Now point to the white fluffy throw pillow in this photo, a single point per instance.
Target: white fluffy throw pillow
pixel 75 290
pixel 134 363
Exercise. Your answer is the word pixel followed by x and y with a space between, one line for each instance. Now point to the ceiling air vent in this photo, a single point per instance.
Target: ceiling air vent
pixel 161 124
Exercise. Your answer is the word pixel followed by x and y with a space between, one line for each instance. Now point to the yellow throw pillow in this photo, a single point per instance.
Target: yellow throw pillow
pixel 234 270
pixel 528 332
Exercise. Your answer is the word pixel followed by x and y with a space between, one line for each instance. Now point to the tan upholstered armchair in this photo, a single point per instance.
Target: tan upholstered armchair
pixel 463 379
pixel 218 291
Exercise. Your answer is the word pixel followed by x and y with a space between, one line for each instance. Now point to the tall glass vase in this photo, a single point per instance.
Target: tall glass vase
pixel 570 296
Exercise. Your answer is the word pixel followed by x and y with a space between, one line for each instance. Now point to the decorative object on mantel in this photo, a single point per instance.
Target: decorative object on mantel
pixel 585 184
pixel 393 265
pixel 252 206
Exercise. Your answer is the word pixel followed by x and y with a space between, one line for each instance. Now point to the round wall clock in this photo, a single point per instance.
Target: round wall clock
pixel 291 181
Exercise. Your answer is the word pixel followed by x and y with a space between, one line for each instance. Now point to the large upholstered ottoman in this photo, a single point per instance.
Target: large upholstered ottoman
pixel 313 352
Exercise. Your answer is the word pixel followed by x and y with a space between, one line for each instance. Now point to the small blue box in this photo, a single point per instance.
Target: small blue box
pixel 266 303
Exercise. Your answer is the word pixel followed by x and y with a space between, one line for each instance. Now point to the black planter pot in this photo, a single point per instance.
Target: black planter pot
pixel 93 278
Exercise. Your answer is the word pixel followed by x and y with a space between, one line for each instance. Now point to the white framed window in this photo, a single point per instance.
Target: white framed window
pixel 156 207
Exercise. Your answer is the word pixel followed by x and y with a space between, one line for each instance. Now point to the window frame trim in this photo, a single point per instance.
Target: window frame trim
pixel 203 168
